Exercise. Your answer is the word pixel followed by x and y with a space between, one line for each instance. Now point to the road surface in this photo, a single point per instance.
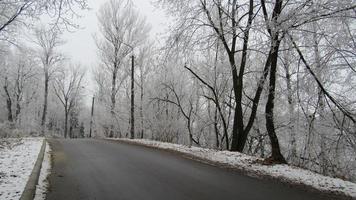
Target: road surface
pixel 91 169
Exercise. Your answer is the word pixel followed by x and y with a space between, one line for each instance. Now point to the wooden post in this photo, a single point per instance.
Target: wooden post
pixel 132 136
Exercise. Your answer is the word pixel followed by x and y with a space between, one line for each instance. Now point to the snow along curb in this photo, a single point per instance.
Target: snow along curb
pixel 43 184
pixel 331 188
pixel 30 188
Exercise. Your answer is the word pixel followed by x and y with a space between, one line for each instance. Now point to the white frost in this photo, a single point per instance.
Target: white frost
pixel 16 165
pixel 252 165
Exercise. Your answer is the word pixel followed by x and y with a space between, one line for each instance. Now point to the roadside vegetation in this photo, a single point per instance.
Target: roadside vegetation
pixel 270 79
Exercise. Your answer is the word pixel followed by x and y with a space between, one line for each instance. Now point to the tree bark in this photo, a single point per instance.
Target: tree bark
pixel 18 96
pixel 275 44
pixel 216 129
pixel 45 103
pixel 91 117
pixel 239 135
pixel 141 109
pixel 18 109
pixel 65 123
pixel 113 99
pixel 292 157
pixel 8 102
pixel 276 152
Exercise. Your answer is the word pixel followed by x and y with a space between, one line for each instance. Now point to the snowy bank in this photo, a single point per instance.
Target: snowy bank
pixel 253 167
pixel 17 158
pixel 41 189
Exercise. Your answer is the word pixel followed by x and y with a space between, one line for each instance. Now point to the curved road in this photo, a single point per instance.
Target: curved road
pixel 99 169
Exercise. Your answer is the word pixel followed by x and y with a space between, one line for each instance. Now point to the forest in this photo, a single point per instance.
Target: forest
pixel 273 79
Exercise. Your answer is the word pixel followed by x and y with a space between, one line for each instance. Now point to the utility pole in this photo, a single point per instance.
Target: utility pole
pixel 91 117
pixel 132 136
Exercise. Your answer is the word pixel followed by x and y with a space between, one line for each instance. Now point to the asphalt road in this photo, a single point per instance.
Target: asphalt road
pixel 104 170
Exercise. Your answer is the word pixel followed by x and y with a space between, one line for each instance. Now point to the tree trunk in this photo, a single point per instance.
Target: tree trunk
pixel 65 123
pixel 190 134
pixel 321 105
pixel 8 103
pixel 45 104
pixel 237 143
pixel 18 100
pixel 217 144
pixel 276 156
pixel 91 117
pixel 70 129
pixel 291 105
pixel 141 109
pixel 18 110
pixel 113 100
pixel 239 136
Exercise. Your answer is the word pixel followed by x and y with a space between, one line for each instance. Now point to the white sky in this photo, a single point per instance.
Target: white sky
pixel 80 46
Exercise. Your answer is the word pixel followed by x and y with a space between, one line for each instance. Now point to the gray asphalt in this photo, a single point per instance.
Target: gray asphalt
pixel 104 170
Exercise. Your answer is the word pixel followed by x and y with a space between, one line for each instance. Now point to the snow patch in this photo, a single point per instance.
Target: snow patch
pixel 253 165
pixel 17 159
pixel 42 186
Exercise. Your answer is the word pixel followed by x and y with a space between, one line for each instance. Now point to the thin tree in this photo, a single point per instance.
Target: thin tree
pixel 67 87
pixel 121 30
pixel 47 41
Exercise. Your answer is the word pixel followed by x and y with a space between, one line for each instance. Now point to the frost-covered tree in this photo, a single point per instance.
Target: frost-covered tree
pixel 18 13
pixel 47 42
pixel 122 30
pixel 67 87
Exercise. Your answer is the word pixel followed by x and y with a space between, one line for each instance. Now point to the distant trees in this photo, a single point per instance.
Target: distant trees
pixel 21 75
pixel 18 73
pixel 122 30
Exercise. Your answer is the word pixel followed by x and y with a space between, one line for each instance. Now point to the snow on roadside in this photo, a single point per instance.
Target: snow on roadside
pixel 42 186
pixel 252 165
pixel 16 164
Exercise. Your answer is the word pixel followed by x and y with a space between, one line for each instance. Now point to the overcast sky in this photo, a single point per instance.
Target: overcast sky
pixel 80 46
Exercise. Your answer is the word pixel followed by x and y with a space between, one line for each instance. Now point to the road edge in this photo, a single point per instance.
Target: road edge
pixel 325 194
pixel 30 188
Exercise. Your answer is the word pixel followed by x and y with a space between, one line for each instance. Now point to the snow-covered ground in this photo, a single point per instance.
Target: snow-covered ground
pixel 252 166
pixel 42 186
pixel 17 158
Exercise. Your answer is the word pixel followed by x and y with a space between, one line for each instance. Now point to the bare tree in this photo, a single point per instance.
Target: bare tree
pixel 47 42
pixel 20 71
pixel 226 21
pixel 67 87
pixel 121 31
pixel 187 110
pixel 14 13
pixel 216 101
pixel 200 25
